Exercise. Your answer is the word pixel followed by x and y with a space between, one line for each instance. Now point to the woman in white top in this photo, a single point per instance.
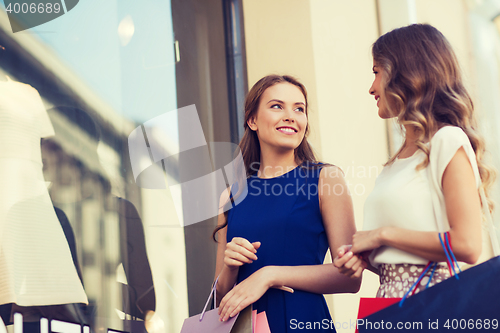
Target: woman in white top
pixel 418 81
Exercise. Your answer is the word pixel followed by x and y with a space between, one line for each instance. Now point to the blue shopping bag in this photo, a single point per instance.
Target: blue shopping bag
pixel 470 303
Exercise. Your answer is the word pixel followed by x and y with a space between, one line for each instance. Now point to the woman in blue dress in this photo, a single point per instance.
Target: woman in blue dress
pixel 295 209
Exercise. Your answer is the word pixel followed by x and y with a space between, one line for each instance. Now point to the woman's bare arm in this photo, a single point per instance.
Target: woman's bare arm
pixel 463 208
pixel 338 218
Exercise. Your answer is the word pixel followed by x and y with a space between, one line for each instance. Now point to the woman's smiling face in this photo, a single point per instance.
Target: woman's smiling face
pixel 378 90
pixel 281 119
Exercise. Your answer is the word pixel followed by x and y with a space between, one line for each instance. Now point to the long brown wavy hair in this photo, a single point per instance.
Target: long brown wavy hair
pixel 424 88
pixel 249 144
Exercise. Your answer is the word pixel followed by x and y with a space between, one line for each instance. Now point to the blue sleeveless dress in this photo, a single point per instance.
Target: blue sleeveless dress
pixel 283 214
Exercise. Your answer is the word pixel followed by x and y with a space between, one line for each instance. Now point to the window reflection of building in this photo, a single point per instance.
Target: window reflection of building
pixel 37 273
pixel 143 81
pixel 202 79
pixel 81 187
pixel 116 246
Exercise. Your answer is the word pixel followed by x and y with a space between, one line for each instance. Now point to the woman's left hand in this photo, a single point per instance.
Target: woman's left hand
pixel 367 240
pixel 245 293
pixel 348 263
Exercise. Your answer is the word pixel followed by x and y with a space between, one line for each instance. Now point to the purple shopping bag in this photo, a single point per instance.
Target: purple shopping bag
pixel 208 321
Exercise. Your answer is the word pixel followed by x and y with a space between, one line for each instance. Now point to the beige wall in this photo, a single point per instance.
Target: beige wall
pixel 450 17
pixel 278 41
pixel 352 135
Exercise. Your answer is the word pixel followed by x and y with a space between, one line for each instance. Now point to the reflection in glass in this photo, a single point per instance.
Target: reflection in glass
pixel 36 266
pixel 116 61
pixel 122 292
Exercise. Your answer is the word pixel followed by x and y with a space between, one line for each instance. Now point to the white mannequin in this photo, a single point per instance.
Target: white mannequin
pixel 36 267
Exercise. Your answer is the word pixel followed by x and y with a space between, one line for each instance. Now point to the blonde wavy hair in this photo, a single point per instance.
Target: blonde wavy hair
pixel 424 88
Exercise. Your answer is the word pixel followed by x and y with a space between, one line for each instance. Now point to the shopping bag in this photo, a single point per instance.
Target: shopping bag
pixel 471 302
pixel 259 322
pixel 247 321
pixel 370 305
pixel 208 321
pixel 241 323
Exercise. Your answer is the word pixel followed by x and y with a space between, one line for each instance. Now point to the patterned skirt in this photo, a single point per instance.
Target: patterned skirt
pixel 396 279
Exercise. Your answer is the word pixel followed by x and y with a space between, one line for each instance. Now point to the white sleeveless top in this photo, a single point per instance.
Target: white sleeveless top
pixel 402 196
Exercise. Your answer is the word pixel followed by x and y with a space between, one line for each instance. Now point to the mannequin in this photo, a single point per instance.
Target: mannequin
pixel 36 266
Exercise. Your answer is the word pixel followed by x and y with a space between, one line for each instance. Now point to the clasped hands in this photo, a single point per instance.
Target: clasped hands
pixel 352 260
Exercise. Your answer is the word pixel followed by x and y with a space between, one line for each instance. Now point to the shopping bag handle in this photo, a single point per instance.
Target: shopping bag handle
pixel 450 258
pixel 214 293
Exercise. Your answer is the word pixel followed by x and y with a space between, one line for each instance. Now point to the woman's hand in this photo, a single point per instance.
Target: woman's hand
pixel 367 240
pixel 348 263
pixel 245 293
pixel 240 251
